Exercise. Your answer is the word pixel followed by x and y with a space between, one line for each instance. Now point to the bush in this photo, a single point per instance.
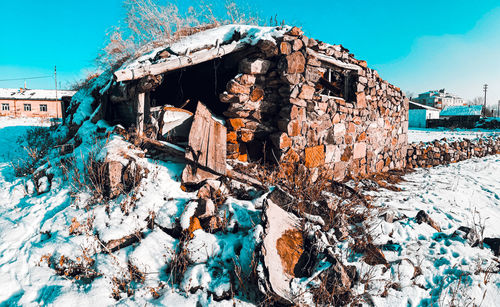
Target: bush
pixel 37 142
pixel 91 178
pixel 84 83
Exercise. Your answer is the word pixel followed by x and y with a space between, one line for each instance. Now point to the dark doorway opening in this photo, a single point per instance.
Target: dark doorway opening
pixel 202 82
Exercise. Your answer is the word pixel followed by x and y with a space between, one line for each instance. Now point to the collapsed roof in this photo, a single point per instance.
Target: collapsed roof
pixel 204 46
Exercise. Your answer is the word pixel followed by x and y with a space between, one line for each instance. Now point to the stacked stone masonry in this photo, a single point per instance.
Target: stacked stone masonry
pixel 445 152
pixel 354 124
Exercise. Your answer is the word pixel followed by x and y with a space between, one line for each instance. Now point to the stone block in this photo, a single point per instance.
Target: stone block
pixel 236 88
pixel 306 92
pixel 254 67
pixel 359 150
pixel 361 100
pixel 281 140
pixel 297 45
pixel 296 63
pixel 339 129
pixel 285 48
pixel 257 94
pixel 332 154
pixel 246 135
pixel 236 123
pixel 295 32
pixel 314 156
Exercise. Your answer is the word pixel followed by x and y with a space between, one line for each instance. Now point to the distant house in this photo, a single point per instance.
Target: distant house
pixel 419 114
pixel 457 116
pixel 462 112
pixel 439 99
pixel 33 103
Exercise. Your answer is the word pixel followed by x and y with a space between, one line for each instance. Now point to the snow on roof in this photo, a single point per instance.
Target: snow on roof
pixel 28 94
pixel 423 106
pixel 462 111
pixel 208 39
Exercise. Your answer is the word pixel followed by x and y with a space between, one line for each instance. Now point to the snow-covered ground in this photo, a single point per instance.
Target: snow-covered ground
pixel 424 267
pixel 429 266
pixel 416 135
pixel 34 226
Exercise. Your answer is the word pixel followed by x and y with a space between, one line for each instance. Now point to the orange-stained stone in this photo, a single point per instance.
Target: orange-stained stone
pixel 232 137
pixel 361 137
pixel 236 123
pixel 243 158
pixel 246 135
pixel 257 94
pixel 193 225
pixel 315 156
pixel 285 48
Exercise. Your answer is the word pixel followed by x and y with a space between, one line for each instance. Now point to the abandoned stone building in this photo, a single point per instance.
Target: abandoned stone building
pixel 270 94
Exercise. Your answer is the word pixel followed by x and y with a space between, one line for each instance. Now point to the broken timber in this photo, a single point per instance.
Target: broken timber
pixel 141 101
pixel 206 152
pixel 333 61
pixel 177 62
pixel 207 141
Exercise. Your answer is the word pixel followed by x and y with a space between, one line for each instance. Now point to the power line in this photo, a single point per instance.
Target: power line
pixel 29 78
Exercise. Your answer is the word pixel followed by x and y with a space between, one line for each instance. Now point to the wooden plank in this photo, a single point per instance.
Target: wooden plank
pixel 211 149
pixel 333 61
pixel 220 148
pixel 177 62
pixel 198 136
pixel 157 148
pixel 207 139
pixel 141 98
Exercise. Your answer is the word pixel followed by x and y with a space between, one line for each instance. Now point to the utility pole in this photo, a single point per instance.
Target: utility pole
pixel 55 80
pixel 498 109
pixel 485 87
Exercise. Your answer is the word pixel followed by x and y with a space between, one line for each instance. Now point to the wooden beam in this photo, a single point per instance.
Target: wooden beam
pixel 333 61
pixel 141 101
pixel 177 62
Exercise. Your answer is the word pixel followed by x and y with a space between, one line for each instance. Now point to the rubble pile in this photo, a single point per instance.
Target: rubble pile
pixel 445 152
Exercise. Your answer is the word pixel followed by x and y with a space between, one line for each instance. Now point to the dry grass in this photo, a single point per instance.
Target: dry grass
pixel 330 291
pixel 81 269
pixel 37 142
pixel 149 24
pixel 180 262
pixel 84 83
pixel 91 177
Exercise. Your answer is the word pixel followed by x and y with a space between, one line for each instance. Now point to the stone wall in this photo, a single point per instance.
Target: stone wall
pixel 281 99
pixel 446 152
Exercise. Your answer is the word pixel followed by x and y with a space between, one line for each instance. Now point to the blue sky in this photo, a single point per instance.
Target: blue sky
pixel 417 45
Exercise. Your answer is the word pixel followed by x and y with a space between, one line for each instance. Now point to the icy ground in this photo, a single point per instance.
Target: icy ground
pixel 427 266
pixel 416 135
